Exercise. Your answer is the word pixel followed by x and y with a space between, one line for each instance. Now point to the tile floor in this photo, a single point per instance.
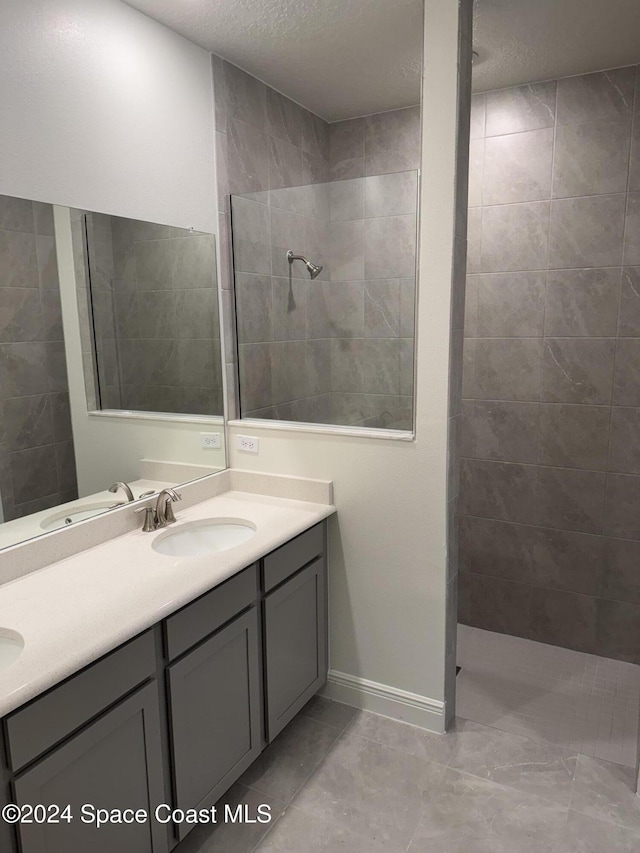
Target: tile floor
pixel 338 779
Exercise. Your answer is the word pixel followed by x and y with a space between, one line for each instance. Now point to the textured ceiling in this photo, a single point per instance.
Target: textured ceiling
pixel 347 58
pixel 522 41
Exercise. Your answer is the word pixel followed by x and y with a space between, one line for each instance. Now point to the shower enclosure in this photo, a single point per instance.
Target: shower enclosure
pixel 329 338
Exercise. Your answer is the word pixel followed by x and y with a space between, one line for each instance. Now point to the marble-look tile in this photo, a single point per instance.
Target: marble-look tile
pixel 562 559
pixel 477 119
pixel 287 232
pixel 624 451
pixel 505 431
pixel 247 158
pixel 621 519
pixel 471 307
pixel 346 140
pixel 529 766
pixel 154 265
pixel 604 96
pixel 336 310
pixel 158 316
pixel 346 200
pixel 300 830
pixel 43 219
pixel 254 308
pixel 618 632
pixel 370 789
pixel 582 303
pixel 51 315
pixel 407 366
pixel 18 261
pixel 66 466
pixel 392 141
pixel 222 171
pixel 563 618
pixel 591 159
pixel 515 237
pixel 574 436
pixel 510 304
pixel 604 790
pixel 578 370
pixel 629 319
pixel 284 118
pixel 61 416
pixel 494 604
pixel 289 381
pixel 346 252
pixel 517 167
pixel 402 737
pixel 497 548
pixel 197 313
pixel 500 490
pixel 381 366
pixel 586 232
pixel 382 308
pixel 23 369
pixel 508 368
pixel 20 314
pixel 632 230
pixel 620 580
pixel 390 247
pixel 570 499
pixel 474 240
pixel 47 260
pixel 476 172
pixel 347 169
pixel 34 473
pixel 245 96
pixel 251 236
pixel 16 214
pixel 519 109
pixel 285 164
pixel 390 195
pixel 315 135
pixel 255 376
pixel 347 365
pixel 626 384
pixel 27 422
pixel 315 169
pixel 290 298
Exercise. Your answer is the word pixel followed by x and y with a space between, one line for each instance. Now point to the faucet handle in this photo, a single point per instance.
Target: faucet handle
pixel 149 519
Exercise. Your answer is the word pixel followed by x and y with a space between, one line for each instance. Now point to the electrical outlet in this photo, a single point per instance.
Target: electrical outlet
pixel 249 443
pixel 210 440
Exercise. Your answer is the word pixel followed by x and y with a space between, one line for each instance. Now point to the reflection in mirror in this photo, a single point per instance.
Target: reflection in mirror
pixel 60 464
pixel 325 294
pixel 149 307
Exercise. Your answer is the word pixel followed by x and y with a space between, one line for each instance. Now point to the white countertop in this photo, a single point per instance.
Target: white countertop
pixel 72 612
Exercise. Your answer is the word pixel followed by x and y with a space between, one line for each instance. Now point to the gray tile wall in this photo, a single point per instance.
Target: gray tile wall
pixel 155 316
pixel 37 462
pixel 283 155
pixel 550 489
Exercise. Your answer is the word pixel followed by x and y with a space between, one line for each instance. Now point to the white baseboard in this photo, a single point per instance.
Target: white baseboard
pixel 389 701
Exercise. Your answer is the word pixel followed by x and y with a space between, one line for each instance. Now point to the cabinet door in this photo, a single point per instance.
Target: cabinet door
pixel 115 763
pixel 215 713
pixel 295 644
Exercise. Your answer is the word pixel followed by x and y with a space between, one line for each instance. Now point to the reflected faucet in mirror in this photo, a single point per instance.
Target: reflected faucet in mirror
pixel 126 488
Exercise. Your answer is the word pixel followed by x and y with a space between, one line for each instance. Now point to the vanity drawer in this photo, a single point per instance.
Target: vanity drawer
pixel 283 562
pixel 206 614
pixel 49 719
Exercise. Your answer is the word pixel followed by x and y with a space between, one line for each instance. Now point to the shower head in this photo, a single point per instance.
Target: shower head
pixel 313 269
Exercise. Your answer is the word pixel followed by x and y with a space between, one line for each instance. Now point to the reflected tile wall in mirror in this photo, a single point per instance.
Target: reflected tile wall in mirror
pixel 337 349
pixel 149 303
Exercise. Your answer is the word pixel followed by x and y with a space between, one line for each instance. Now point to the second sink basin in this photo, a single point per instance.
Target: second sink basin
pixel 11 645
pixel 196 538
pixel 78 513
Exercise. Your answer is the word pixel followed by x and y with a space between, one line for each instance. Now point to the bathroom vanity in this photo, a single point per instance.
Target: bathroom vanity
pixel 175 714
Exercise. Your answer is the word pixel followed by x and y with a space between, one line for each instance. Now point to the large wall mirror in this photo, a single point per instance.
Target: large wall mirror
pixel 110 363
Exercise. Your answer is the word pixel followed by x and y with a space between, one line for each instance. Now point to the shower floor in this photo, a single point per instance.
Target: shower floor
pixel 579 701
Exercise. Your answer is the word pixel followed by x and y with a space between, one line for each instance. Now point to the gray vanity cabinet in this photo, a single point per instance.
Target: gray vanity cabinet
pixel 114 763
pixel 214 694
pixel 295 632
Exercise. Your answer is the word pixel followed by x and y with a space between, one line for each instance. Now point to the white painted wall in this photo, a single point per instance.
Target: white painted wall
pixel 106 110
pixel 388 543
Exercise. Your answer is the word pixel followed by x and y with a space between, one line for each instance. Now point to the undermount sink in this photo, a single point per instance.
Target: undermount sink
pixel 65 518
pixel 196 538
pixel 11 645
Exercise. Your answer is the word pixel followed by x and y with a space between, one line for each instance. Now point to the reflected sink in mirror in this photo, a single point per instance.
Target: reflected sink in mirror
pixel 197 538
pixel 64 519
pixel 11 645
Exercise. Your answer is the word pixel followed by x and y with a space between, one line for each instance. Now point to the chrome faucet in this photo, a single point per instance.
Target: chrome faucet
pixel 125 488
pixel 164 508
